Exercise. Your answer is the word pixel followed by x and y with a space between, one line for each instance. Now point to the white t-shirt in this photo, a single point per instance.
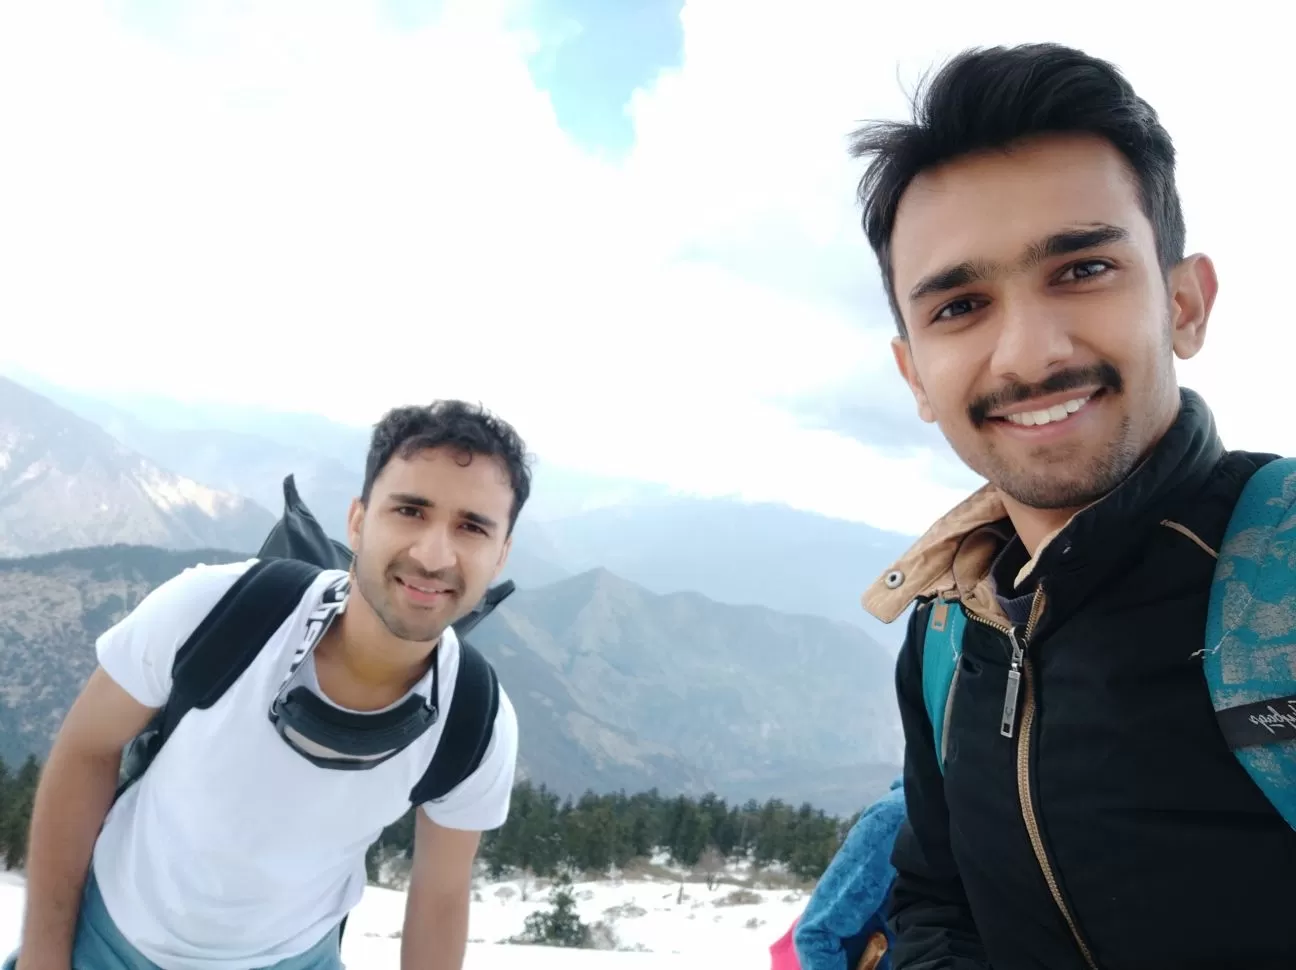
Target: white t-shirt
pixel 233 851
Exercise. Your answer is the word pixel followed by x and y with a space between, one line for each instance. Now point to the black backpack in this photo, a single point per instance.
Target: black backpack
pixel 233 633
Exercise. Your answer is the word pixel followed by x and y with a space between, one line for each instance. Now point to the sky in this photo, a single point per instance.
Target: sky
pixel 628 228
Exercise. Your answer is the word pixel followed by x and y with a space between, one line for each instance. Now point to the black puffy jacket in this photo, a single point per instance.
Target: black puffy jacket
pixel 1114 830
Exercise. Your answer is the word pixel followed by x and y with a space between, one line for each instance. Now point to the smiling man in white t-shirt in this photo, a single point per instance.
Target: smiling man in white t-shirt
pixel 242 847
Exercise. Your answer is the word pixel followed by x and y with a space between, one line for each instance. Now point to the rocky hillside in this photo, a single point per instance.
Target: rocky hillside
pixel 615 687
pixel 52 608
pixel 66 483
pixel 746 696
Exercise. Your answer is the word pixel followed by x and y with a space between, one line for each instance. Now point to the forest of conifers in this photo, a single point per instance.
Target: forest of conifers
pixel 545 834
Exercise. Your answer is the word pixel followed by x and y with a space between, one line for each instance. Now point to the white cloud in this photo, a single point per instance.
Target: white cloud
pixel 302 207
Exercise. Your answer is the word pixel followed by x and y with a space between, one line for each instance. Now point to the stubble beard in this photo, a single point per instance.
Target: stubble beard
pixel 378 594
pixel 1050 479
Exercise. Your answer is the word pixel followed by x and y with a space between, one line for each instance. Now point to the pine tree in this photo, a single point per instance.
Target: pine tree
pixel 6 799
pixel 813 842
pixel 773 832
pixel 531 839
pixel 560 925
pixel 687 832
pixel 5 782
pixel 16 821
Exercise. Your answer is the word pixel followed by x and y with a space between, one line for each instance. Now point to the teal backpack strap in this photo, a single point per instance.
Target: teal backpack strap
pixel 942 647
pixel 1250 649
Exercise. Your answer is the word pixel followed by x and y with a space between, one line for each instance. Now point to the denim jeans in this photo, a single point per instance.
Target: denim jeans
pixel 99 945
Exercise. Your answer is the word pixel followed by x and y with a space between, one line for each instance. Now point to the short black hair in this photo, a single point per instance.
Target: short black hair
pixel 989 98
pixel 467 428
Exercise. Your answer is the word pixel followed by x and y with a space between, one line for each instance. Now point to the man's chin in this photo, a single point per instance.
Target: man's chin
pixel 407 635
pixel 1055 494
pixel 414 629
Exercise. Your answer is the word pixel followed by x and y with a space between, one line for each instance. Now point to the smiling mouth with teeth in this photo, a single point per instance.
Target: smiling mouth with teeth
pixel 426 590
pixel 1051 415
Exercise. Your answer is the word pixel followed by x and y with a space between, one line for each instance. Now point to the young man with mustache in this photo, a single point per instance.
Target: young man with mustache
pixel 1084 810
pixel 243 845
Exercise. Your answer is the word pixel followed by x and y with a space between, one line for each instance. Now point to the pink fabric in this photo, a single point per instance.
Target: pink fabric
pixel 783 955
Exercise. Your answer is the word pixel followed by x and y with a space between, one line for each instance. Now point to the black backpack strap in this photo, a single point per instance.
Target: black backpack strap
pixel 223 646
pixel 467 730
pixel 231 635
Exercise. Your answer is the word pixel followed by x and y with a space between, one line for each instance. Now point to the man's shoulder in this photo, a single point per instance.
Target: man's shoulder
pixel 503 727
pixel 205 577
pixel 1235 468
pixel 190 594
pixel 206 583
pixel 506 720
pixel 1207 511
pixel 139 650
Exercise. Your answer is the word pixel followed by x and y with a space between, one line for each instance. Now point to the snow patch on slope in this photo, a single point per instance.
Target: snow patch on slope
pixel 173 492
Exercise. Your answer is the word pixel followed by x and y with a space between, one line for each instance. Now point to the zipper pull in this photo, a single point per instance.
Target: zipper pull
pixel 1009 721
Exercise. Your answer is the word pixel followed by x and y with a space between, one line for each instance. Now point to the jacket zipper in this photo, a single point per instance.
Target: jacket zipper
pixel 1019 670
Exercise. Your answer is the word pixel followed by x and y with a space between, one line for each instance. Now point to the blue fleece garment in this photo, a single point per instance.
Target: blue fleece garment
pixel 849 904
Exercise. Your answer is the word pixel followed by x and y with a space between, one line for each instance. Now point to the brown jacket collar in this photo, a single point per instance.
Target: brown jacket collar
pixel 952 558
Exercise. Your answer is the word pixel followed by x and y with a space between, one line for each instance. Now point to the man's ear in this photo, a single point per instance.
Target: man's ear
pixel 355 522
pixel 1193 286
pixel 904 360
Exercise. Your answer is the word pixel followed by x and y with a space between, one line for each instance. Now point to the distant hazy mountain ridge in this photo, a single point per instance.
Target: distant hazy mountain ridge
pixel 733 552
pixel 66 483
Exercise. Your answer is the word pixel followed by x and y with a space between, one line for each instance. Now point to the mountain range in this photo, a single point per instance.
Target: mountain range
pixel 66 482
pixel 655 639
pixel 616 687
pixel 733 552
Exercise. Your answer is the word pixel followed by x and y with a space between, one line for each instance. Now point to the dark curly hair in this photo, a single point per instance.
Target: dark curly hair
pixel 987 99
pixel 471 429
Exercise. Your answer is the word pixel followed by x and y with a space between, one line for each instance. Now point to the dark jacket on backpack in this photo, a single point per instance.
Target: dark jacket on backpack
pixel 1114 829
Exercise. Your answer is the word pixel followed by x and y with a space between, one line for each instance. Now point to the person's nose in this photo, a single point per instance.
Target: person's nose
pixel 1033 341
pixel 434 549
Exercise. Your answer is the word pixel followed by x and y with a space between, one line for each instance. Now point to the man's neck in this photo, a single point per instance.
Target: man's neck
pixel 1036 526
pixel 370 667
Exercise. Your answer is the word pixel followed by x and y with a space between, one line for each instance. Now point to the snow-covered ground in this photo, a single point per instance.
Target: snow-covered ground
pixel 707 929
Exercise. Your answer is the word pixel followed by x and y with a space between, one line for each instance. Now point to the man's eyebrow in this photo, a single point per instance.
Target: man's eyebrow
pixel 951 278
pixel 1074 241
pixel 1057 244
pixel 409 498
pixel 485 521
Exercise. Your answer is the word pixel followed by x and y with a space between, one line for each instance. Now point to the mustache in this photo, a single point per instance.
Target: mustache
pixel 1103 375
